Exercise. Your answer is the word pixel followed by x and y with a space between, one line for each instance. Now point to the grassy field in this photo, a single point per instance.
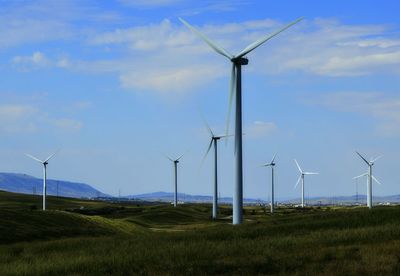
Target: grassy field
pixel 96 238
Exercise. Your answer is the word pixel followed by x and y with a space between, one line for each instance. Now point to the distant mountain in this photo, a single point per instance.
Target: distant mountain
pixel 26 184
pixel 346 200
pixel 168 197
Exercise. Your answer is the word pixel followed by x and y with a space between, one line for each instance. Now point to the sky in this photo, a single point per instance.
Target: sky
pixel 116 85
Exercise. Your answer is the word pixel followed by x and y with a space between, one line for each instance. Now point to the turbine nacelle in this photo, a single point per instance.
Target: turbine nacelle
pixel 240 61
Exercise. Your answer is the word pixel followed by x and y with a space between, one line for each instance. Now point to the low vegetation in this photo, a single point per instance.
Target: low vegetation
pixel 95 238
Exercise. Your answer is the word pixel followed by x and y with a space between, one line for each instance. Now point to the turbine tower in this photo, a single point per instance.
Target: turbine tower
pixel 236 91
pixel 272 165
pixel 370 177
pixel 214 141
pixel 44 163
pixel 302 174
pixel 175 161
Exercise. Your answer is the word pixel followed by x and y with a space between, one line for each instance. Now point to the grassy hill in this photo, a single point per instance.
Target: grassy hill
pixel 92 237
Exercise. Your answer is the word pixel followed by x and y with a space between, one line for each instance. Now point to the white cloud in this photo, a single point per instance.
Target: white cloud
pixel 260 129
pixel 320 46
pixel 68 125
pixel 159 55
pixel 149 3
pixel 385 109
pixel 16 118
pixel 19 118
pixel 37 59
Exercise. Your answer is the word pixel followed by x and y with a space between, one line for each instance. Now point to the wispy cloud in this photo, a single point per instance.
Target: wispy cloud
pixel 24 118
pixel 149 3
pixel 260 129
pixel 385 109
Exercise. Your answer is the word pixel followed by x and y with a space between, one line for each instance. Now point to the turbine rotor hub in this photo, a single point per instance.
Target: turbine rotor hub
pixel 240 61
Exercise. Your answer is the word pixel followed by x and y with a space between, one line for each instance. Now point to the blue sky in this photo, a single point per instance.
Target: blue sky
pixel 114 84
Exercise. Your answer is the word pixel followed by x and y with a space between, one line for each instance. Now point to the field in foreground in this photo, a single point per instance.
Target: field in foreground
pixel 96 238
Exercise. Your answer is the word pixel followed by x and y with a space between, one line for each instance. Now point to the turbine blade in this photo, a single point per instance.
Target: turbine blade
pixel 379 157
pixel 309 173
pixel 266 165
pixel 273 158
pixel 362 157
pixel 224 136
pixel 34 158
pixel 262 40
pixel 297 183
pixel 212 44
pixel 205 155
pixel 207 125
pixel 51 156
pixel 376 180
pixel 177 159
pixel 361 175
pixel 232 89
pixel 166 156
pixel 298 166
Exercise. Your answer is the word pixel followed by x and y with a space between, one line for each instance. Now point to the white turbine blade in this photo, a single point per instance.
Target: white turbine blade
pixel 224 136
pixel 257 43
pixel 376 180
pixel 48 158
pixel 297 183
pixel 379 157
pixel 362 157
pixel 273 158
pixel 208 150
pixel 177 159
pixel 166 156
pixel 266 165
pixel 298 166
pixel 361 175
pixel 206 124
pixel 34 158
pixel 217 48
pixel 310 173
pixel 232 89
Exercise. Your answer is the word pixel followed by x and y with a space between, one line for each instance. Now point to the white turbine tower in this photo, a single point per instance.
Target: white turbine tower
pixel 175 161
pixel 272 165
pixel 370 177
pixel 301 177
pixel 214 141
pixel 44 163
pixel 236 91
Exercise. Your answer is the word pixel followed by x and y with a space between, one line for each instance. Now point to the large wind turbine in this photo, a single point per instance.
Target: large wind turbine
pixel 236 86
pixel 175 161
pixel 214 141
pixel 302 174
pixel 44 163
pixel 272 165
pixel 370 177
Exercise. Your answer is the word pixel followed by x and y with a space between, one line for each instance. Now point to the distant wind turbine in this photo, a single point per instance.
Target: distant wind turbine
pixel 175 161
pixel 301 177
pixel 214 141
pixel 272 165
pixel 370 177
pixel 236 91
pixel 44 163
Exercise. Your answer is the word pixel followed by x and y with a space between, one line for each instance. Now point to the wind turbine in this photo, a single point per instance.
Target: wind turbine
pixel 272 165
pixel 175 161
pixel 44 163
pixel 302 174
pixel 214 141
pixel 370 177
pixel 236 86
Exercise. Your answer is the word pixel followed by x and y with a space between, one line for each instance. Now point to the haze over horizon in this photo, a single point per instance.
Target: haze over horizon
pixel 116 84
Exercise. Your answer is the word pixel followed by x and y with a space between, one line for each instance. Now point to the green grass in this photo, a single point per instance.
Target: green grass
pixel 104 238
